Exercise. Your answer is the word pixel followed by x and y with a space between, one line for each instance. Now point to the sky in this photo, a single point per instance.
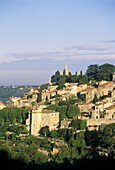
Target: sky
pixel 38 36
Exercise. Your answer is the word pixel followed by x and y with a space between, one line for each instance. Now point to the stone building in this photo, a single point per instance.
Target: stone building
pixel 41 117
pixel 110 112
pixel 84 107
pixel 88 93
pixel 2 105
pixel 13 102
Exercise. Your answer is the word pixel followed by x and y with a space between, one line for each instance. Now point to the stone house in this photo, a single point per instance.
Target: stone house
pixel 41 117
pixel 13 102
pixel 84 107
pixel 48 93
pixel 93 124
pixel 104 88
pixel 34 90
pixel 110 112
pixel 89 93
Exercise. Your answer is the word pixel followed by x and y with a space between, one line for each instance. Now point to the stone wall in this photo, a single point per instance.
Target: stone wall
pixel 98 122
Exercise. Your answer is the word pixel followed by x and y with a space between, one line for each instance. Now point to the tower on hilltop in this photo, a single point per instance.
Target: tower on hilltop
pixel 65 71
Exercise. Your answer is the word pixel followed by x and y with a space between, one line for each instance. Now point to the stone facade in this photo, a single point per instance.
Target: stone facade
pixel 93 124
pixel 41 117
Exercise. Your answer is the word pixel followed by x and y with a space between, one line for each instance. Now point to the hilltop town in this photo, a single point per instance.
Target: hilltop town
pixel 70 114
pixel 95 100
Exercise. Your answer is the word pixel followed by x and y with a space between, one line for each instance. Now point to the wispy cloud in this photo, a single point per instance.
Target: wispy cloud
pixel 77 52
pixel 87 48
pixel 109 41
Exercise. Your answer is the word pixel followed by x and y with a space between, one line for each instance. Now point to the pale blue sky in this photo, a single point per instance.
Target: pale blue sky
pixel 37 36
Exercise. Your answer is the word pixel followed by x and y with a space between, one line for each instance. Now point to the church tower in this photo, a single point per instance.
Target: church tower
pixel 65 65
pixel 65 71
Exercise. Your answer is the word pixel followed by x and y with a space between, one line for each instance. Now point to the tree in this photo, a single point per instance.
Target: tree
pixel 83 124
pixel 63 111
pixel 61 82
pixel 44 131
pixel 39 158
pixel 12 116
pixel 92 71
pixel 82 79
pixel 105 72
pixel 57 75
pixel 81 73
pixel 95 99
pixel 73 111
pixel 52 107
pixel 76 124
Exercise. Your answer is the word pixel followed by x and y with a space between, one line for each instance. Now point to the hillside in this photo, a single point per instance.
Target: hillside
pixel 16 91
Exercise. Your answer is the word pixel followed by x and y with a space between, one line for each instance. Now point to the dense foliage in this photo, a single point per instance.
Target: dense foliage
pixel 83 149
pixel 11 116
pixel 70 111
pixel 102 72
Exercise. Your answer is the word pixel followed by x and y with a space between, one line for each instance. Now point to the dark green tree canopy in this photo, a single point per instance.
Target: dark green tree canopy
pixel 92 71
pixel 102 72
pixel 57 75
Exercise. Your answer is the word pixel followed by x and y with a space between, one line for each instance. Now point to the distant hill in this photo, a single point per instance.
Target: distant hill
pixel 16 91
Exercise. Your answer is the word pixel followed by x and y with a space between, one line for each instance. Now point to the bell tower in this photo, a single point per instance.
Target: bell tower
pixel 65 65
pixel 66 70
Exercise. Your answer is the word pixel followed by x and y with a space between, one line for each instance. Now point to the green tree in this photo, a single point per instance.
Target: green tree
pixel 92 71
pixel 61 82
pixel 76 124
pixel 105 72
pixel 83 124
pixel 53 107
pixel 95 99
pixel 12 115
pixel 81 73
pixel 39 158
pixel 57 75
pixel 73 111
pixel 63 111
pixel 44 131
